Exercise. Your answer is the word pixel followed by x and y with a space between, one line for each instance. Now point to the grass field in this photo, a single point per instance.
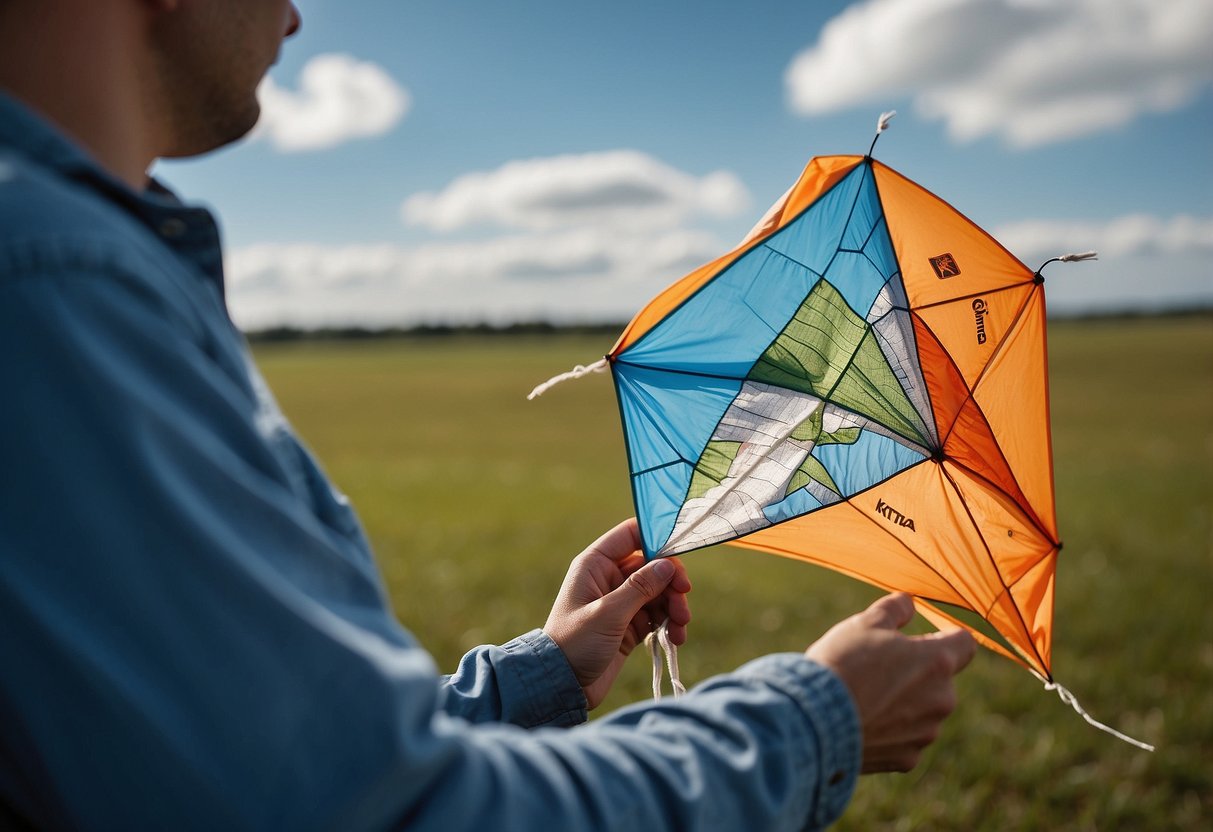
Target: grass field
pixel 476 499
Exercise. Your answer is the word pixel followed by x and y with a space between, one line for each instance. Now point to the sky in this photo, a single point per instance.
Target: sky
pixel 473 161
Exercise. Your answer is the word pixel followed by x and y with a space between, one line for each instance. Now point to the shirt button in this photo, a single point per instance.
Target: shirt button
pixel 172 228
pixel 837 777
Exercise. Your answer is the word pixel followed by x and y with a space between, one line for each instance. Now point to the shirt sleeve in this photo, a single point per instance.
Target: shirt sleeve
pixel 526 682
pixel 187 645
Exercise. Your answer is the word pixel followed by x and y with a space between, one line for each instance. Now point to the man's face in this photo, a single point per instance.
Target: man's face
pixel 211 55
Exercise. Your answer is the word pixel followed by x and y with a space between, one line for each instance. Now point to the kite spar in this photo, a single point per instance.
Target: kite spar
pixel 861 383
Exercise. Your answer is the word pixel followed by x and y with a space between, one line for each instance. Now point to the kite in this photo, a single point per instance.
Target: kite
pixel 862 384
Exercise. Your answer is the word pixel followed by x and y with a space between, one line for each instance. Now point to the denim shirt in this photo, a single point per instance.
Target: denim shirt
pixel 193 631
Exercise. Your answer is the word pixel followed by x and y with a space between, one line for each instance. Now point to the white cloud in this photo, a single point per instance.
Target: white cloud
pixel 1029 71
pixel 620 188
pixel 605 274
pixel 339 98
pixel 1130 235
pixel 590 238
pixel 570 275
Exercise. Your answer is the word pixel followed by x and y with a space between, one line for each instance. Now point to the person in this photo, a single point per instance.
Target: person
pixel 194 632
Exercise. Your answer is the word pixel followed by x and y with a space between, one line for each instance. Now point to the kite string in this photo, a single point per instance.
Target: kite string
pixel 658 642
pixel 1072 701
pixel 577 372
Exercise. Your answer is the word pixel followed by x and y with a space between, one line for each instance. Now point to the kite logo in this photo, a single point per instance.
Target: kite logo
pixel 889 513
pixel 979 314
pixel 945 266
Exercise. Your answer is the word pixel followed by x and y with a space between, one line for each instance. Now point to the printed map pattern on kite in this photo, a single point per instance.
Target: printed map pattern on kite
pixel 862 384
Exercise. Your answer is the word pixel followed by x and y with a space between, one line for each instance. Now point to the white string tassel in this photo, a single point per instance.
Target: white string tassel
pixel 659 642
pixel 1070 700
pixel 882 124
pixel 1082 255
pixel 577 372
pixel 650 641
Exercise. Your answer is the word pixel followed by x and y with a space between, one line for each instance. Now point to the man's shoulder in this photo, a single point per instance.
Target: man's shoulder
pixel 36 199
pixel 66 237
pixel 46 217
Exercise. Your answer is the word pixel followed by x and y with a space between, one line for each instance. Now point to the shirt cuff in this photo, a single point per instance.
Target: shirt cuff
pixel 546 681
pixel 836 731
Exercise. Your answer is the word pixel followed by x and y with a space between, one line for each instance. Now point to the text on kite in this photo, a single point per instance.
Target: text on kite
pixel 979 313
pixel 889 513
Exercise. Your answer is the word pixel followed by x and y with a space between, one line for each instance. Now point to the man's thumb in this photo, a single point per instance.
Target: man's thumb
pixel 892 612
pixel 642 586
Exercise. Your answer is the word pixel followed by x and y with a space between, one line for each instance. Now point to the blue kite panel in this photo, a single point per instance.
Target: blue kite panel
pixel 795 504
pixel 659 496
pixel 871 459
pixel 865 214
pixel 669 416
pixel 732 319
pixel 774 300
pixel 814 236
pixel 880 250
pixel 857 280
pixel 724 328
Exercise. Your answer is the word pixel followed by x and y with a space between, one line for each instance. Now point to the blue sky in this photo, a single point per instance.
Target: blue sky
pixel 448 161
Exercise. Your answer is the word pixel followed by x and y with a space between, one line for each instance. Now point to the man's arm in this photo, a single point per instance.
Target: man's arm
pixel 526 682
pixel 188 644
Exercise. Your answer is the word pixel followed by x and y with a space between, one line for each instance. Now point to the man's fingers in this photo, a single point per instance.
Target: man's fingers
pixel 958 645
pixel 677 606
pixel 677 633
pixel 891 612
pixel 619 542
pixel 644 585
pixel 681 581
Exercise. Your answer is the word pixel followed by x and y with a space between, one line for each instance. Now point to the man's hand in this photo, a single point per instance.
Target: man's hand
pixel 609 601
pixel 902 685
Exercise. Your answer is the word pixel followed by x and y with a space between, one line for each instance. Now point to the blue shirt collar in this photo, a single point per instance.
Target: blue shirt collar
pixel 189 230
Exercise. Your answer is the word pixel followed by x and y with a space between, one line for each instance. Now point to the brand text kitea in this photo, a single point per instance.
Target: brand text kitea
pixel 979 313
pixel 889 513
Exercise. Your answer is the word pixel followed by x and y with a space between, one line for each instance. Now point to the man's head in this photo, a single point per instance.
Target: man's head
pixel 132 80
pixel 209 57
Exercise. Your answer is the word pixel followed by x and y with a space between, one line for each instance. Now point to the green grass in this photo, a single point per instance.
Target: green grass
pixel 476 499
